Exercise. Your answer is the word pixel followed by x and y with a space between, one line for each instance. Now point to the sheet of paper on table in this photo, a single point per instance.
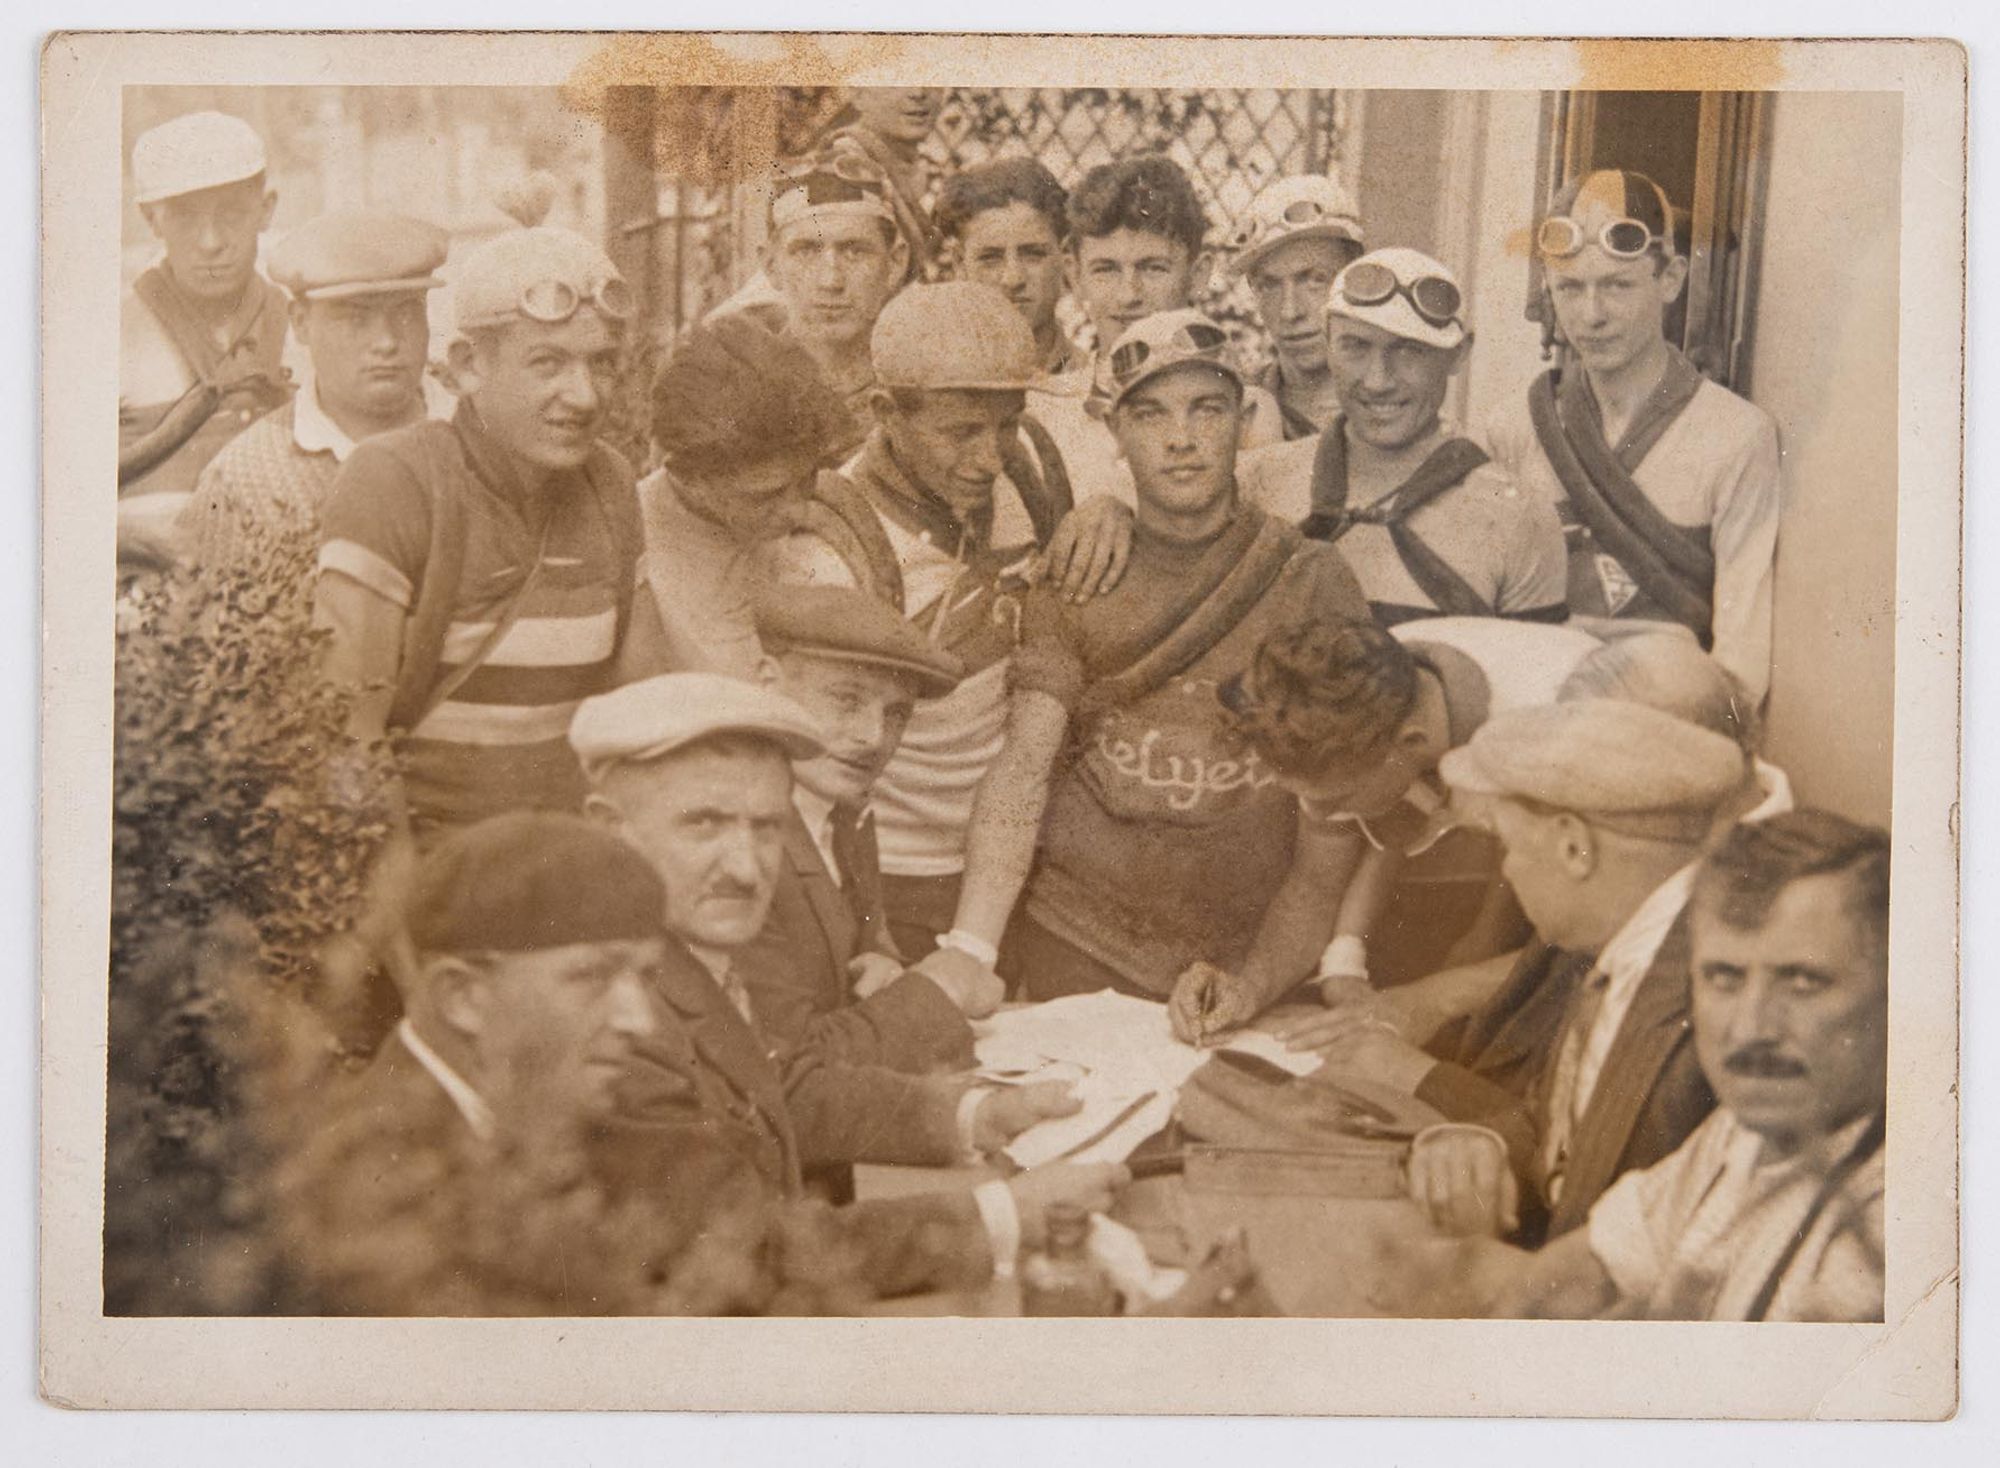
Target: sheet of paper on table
pixel 1117 1051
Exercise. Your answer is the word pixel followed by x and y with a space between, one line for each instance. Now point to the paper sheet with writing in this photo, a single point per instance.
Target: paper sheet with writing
pixel 1120 1055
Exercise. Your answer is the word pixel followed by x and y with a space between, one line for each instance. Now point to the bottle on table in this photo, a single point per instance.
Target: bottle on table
pixel 1062 1277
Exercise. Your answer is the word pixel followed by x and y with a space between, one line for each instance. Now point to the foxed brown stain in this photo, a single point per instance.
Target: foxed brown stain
pixel 1679 66
pixel 667 85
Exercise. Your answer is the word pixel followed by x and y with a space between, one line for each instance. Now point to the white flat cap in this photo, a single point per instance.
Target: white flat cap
pixel 656 716
pixel 1404 292
pixel 199 150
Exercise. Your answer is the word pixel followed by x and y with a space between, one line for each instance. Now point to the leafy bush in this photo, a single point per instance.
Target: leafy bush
pixel 244 823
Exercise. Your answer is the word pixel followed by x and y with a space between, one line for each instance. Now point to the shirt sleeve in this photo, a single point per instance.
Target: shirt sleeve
pixel 1633 1226
pixel 1745 534
pixel 1048 660
pixel 377 526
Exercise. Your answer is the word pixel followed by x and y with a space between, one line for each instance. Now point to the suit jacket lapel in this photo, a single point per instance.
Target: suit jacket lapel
pixel 823 895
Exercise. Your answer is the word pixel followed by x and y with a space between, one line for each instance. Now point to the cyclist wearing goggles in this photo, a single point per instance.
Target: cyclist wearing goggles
pixel 479 576
pixel 1299 234
pixel 1119 836
pixel 1667 484
pixel 1429 526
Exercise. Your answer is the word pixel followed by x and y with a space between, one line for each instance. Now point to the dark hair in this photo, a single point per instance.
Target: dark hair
pixel 732 392
pixel 1323 695
pixel 1743 877
pixel 1147 193
pixel 995 185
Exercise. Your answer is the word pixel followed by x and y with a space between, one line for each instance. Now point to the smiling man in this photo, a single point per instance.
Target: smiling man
pixel 359 283
pixel 1430 527
pixel 477 577
pixel 1300 234
pixel 1667 484
pixel 1773 1208
pixel 1133 836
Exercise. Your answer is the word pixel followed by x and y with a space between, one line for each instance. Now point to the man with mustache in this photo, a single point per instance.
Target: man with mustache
pixel 1137 245
pixel 358 282
pixel 1133 835
pixel 1773 1208
pixel 1430 526
pixel 1668 485
pixel 696 772
pixel 202 332
pixel 1301 232
pixel 477 577
pixel 825 970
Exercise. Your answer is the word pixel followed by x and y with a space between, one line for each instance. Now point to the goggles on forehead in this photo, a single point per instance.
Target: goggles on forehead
pixel 1197 341
pixel 1432 297
pixel 556 301
pixel 1299 214
pixel 1623 239
pixel 844 164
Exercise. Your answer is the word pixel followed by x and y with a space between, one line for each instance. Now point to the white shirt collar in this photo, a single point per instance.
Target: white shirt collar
pixel 817 813
pixel 1776 787
pixel 1625 959
pixel 478 1115
pixel 315 432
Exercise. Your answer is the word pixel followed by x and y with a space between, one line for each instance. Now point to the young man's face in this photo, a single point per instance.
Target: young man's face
pixel 1791 1018
pixel 1178 433
pixel 210 236
pixel 1390 387
pixel 861 710
pixel 542 388
pixel 711 820
pixel 949 440
pixel 1015 249
pixel 1130 273
pixel 1611 311
pixel 901 114
pixel 1291 284
pixel 367 352
pixel 553 1028
pixel 748 498
pixel 836 271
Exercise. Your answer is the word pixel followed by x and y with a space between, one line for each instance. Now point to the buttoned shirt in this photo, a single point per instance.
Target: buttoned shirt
pixel 478 1115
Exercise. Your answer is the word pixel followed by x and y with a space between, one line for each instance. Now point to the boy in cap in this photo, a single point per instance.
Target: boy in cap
pixel 1430 526
pixel 477 577
pixel 941 516
pixel 1578 1069
pixel 1137 245
pixel 358 283
pixel 202 333
pixel 1300 233
pixel 1133 837
pixel 1773 1208
pixel 744 422
pixel 1668 485
pixel 1353 720
pixel 825 970
pixel 696 771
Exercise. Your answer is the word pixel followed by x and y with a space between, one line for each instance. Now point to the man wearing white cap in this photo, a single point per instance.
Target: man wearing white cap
pixel 695 771
pixel 1580 1067
pixel 1133 836
pixel 358 282
pixel 1429 525
pixel 942 515
pixel 202 333
pixel 1299 234
pixel 1668 485
pixel 478 576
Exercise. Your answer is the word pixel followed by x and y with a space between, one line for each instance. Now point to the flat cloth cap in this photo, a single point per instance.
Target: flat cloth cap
pixel 531 880
pixel 954 334
pixel 656 716
pixel 196 151
pixel 1625 765
pixel 844 623
pixel 1305 207
pixel 541 274
pixel 359 252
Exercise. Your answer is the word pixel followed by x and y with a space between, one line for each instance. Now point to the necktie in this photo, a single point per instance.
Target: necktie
pixel 852 836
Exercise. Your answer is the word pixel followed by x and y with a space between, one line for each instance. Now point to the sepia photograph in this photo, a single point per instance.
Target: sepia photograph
pixel 1292 693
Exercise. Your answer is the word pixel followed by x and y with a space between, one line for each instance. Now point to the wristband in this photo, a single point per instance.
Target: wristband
pixel 1346 957
pixel 971 945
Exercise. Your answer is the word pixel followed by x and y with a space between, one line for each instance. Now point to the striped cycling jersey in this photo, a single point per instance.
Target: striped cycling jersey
pixel 499 741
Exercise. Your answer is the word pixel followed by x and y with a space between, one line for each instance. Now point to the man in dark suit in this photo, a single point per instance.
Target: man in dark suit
pixel 824 972
pixel 695 771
